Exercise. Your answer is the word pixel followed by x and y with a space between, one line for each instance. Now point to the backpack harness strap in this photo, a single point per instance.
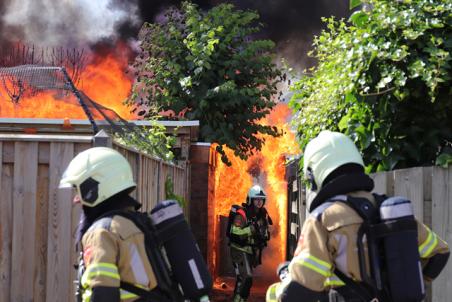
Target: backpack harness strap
pixel 368 212
pixel 157 294
pixel 152 295
pixel 359 290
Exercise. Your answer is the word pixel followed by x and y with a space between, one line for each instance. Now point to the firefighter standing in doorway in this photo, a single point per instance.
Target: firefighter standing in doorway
pixel 258 216
pixel 112 248
pixel 248 237
pixel 333 258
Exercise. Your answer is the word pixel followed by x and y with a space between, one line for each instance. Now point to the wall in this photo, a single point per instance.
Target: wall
pixel 201 192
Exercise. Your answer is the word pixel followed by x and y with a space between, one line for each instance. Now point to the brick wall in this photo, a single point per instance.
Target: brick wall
pixel 201 192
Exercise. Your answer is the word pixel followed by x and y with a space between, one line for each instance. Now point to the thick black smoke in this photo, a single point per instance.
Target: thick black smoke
pixel 80 23
pixel 291 24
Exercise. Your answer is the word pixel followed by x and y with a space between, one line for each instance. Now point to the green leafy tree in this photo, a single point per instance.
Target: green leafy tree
pixel 152 140
pixel 384 78
pixel 212 67
pixel 169 193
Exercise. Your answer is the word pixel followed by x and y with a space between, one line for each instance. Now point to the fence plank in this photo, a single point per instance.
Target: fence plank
pixel 6 214
pixel 384 183
pixel 76 211
pixel 42 208
pixel 409 183
pixel 59 269
pixel 24 219
pixel 442 225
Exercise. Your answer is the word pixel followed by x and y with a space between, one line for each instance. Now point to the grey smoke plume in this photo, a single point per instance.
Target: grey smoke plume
pixel 78 23
pixel 72 23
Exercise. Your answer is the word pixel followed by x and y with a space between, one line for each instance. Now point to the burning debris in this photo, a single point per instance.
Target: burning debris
pixel 102 77
pixel 255 166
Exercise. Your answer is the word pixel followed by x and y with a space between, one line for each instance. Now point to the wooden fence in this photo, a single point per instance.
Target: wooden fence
pixel 38 221
pixel 430 190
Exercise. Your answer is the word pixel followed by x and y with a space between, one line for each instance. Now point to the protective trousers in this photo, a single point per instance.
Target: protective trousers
pixel 244 274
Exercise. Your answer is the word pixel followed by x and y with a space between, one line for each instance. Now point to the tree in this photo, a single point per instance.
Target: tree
pixel 384 78
pixel 211 66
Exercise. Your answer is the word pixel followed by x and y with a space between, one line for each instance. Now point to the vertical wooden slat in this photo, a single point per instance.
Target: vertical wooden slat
pixel 59 269
pixel 427 206
pixel 160 183
pixel 24 218
pixel 409 183
pixel 383 182
pixel 6 214
pixel 427 175
pixel 442 225
pixel 41 233
pixel 76 211
pixel 144 184
pixel 139 179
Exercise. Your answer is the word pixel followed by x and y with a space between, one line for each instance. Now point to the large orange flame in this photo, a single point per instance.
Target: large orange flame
pixel 104 80
pixel 232 185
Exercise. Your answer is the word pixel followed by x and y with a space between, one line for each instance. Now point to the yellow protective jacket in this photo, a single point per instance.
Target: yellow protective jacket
pixel 328 240
pixel 113 250
pixel 243 238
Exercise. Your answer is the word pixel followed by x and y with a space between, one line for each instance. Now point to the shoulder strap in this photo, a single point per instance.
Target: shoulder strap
pixel 370 215
pixel 364 208
pixel 152 295
pixel 359 290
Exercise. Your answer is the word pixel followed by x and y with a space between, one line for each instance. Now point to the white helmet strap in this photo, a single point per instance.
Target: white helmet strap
pixel 311 180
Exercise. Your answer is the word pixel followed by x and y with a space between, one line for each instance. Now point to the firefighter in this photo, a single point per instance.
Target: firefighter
pixel 326 265
pixel 112 248
pixel 241 248
pixel 258 216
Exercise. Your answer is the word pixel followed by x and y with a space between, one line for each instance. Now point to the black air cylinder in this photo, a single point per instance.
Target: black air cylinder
pixel 403 266
pixel 187 265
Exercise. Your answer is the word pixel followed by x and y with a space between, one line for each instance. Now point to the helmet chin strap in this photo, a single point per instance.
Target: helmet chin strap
pixel 311 180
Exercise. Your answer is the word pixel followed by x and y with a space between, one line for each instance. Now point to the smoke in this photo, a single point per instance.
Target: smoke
pixel 69 23
pixel 78 23
pixel 293 24
pixel 290 24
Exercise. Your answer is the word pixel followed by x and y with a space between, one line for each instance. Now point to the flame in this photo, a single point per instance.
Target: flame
pixel 232 185
pixel 104 80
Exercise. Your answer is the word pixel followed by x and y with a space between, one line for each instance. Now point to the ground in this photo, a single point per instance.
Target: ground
pixel 224 287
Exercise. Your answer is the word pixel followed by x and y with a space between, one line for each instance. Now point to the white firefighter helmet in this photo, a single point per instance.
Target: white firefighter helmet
pixel 97 174
pixel 325 153
pixel 255 192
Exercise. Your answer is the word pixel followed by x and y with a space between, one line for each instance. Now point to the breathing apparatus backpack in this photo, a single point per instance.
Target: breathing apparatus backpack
pixel 179 268
pixel 390 230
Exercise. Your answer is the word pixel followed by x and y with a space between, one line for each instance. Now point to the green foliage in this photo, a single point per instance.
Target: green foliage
pixel 444 160
pixel 150 140
pixel 169 193
pixel 354 3
pixel 211 66
pixel 384 78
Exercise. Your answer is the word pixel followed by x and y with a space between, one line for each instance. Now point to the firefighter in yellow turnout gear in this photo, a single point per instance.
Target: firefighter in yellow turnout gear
pixel 326 265
pixel 248 236
pixel 112 248
pixel 241 242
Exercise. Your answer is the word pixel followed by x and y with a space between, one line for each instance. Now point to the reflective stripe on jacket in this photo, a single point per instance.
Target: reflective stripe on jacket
pixel 245 235
pixel 113 251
